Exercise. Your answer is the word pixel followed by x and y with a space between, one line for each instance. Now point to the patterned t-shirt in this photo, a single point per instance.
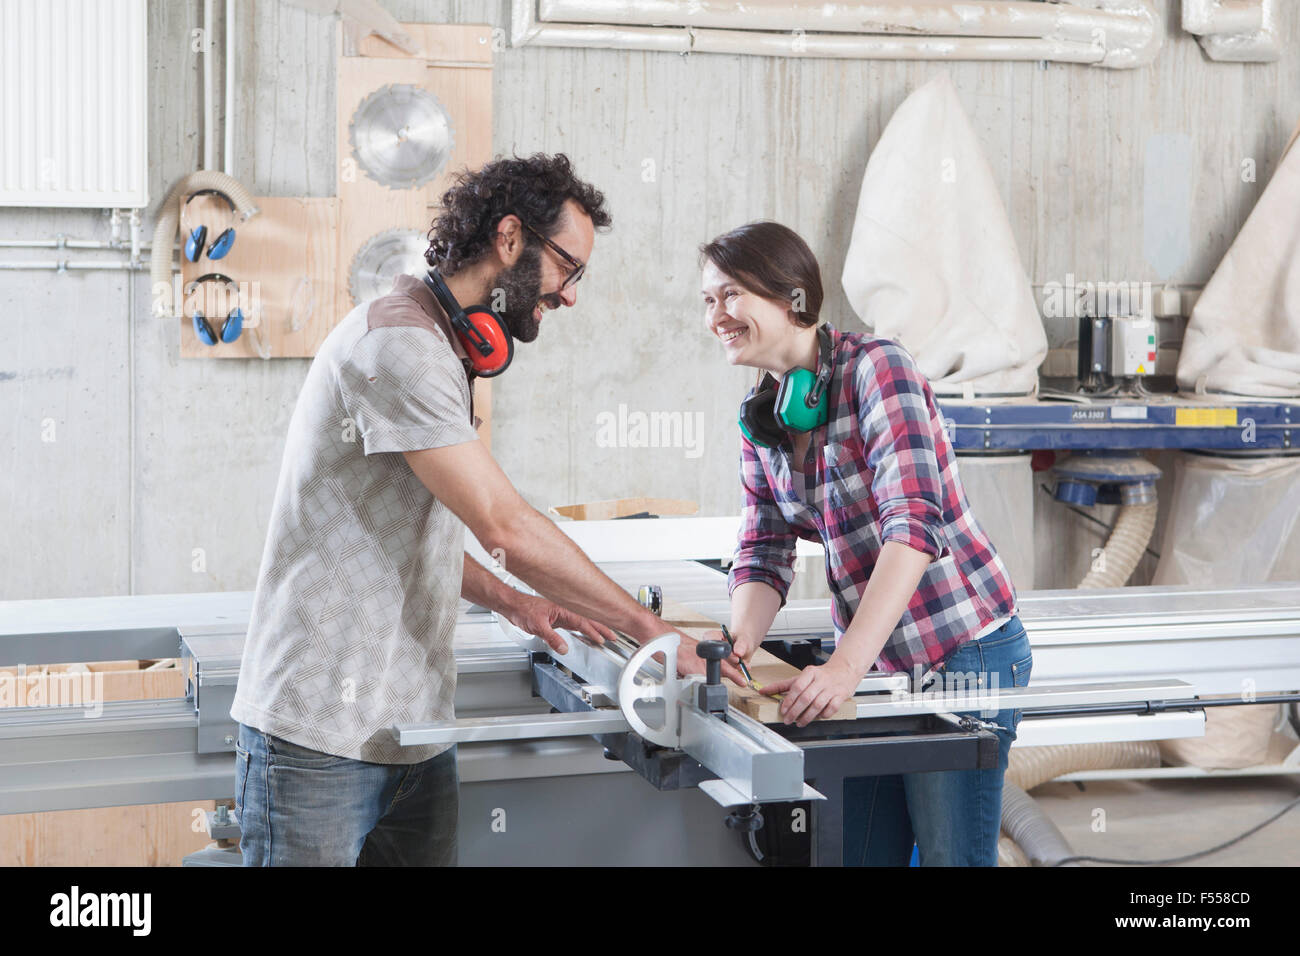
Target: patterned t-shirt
pixel 356 604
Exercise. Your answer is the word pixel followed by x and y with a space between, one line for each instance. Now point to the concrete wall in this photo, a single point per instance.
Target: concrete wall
pixel 154 458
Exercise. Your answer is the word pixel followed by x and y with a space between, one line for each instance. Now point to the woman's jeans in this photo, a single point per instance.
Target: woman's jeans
pixel 300 807
pixel 953 816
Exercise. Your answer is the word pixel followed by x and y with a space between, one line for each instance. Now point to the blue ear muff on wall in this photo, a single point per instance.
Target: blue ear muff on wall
pixel 194 243
pixel 196 236
pixel 233 325
pixel 203 330
pixel 221 245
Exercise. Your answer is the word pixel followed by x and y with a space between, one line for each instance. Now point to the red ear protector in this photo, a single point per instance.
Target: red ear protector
pixel 480 330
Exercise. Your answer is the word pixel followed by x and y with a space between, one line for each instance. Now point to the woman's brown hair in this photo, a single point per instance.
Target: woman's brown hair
pixel 770 260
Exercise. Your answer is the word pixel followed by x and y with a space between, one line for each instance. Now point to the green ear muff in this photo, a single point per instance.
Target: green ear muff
pixel 800 404
pixel 757 418
pixel 799 387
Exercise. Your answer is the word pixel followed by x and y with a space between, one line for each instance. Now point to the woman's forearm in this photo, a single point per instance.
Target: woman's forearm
pixel 754 606
pixel 893 581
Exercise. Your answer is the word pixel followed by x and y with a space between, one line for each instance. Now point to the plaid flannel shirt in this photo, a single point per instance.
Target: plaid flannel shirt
pixel 881 469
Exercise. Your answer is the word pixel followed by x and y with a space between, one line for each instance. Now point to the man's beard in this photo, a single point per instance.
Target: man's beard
pixel 520 288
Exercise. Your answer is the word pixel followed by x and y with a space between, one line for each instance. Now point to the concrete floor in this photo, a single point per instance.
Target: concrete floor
pixel 1158 819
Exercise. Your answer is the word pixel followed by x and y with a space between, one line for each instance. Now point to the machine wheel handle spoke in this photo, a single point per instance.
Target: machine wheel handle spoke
pixel 630 690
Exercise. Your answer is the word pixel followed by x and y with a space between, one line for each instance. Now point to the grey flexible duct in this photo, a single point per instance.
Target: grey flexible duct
pixel 1030 838
pixel 1029 829
pixel 1009 854
pixel 164 232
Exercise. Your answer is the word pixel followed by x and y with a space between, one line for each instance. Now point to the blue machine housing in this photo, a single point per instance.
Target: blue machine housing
pixel 1110 424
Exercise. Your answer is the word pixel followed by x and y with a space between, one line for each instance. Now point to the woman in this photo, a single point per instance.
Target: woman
pixel 842 443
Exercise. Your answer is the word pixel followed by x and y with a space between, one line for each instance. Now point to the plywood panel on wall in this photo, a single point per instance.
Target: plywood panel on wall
pixel 456 67
pixel 285 260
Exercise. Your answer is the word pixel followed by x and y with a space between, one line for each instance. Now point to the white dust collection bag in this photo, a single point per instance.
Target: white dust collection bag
pixel 933 264
pixel 1000 492
pixel 1232 522
pixel 1244 334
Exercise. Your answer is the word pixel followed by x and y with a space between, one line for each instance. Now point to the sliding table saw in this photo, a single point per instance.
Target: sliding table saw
pixel 595 757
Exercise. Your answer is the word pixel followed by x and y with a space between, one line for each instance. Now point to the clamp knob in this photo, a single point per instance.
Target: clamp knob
pixel 714 652
pixel 711 695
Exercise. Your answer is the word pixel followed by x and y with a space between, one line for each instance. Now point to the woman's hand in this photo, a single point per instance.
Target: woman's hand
pixel 541 617
pixel 742 649
pixel 817 691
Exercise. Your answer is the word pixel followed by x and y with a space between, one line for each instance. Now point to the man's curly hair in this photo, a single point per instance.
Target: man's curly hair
pixel 534 188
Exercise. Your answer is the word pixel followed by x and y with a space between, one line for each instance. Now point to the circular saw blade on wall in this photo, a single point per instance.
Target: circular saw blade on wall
pixel 401 135
pixel 384 257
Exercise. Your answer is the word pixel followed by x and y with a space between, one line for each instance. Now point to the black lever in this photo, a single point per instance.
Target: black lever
pixel 745 819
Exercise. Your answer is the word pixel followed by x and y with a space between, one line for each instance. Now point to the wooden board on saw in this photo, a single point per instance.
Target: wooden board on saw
pixel 456 67
pixel 764 667
pixel 623 507
pixel 285 261
pixel 768 669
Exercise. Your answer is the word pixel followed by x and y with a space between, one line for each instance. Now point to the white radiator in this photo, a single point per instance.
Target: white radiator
pixel 73 101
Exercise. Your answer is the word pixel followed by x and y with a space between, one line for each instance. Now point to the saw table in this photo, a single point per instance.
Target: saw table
pixel 596 756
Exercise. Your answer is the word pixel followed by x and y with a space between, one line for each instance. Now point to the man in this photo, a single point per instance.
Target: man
pixel 356 604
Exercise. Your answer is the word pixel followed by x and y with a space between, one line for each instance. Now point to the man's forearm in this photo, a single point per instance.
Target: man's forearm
pixel 481 586
pixel 542 555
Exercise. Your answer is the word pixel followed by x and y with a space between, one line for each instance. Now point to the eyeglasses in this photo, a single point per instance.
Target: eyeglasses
pixel 577 267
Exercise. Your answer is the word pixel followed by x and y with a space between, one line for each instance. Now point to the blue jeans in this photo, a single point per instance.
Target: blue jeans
pixel 953 816
pixel 300 807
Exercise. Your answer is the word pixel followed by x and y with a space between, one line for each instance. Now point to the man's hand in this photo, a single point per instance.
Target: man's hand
pixel 815 692
pixel 541 617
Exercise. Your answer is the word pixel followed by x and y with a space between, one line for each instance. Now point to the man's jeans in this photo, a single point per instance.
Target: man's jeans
pixel 300 807
pixel 954 816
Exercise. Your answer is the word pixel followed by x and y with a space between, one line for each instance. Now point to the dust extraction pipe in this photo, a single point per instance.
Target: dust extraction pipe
pixel 1124 547
pixel 1030 830
pixel 1029 837
pixel 1234 30
pixel 1087 478
pixel 164 233
pixel 1111 33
